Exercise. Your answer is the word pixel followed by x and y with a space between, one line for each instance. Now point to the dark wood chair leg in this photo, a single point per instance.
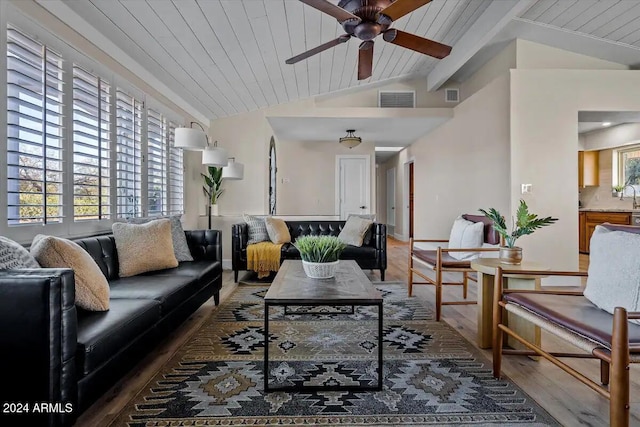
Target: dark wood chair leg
pixel 604 372
pixel 410 270
pixel 438 284
pixel 464 285
pixel 619 389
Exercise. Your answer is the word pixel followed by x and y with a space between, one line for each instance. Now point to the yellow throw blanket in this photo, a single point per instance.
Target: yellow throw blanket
pixel 263 257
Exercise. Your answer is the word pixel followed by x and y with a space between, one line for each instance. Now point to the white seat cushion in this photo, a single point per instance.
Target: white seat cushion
pixel 465 234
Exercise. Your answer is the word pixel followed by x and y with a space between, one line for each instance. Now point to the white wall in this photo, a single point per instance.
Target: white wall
pixel 614 136
pixel 309 171
pixel 538 56
pixel 461 166
pixel 544 141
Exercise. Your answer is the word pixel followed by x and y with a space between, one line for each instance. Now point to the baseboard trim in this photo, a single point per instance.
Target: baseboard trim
pixel 400 237
pixel 226 264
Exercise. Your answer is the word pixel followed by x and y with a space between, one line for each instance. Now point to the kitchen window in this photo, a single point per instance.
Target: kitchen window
pixel 629 169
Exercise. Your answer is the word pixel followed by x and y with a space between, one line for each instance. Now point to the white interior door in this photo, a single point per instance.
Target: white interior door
pixel 353 185
pixel 391 197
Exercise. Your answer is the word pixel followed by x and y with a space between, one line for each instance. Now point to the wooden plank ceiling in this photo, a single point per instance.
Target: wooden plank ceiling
pixel 226 57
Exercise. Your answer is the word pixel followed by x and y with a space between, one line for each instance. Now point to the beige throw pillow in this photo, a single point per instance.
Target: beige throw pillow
pixel 92 288
pixel 144 247
pixel 354 230
pixel 277 230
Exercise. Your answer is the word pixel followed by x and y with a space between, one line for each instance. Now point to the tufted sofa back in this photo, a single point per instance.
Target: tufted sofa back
pixel 203 244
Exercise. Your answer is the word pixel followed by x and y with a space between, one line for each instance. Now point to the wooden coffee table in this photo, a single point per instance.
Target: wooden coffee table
pixel 350 287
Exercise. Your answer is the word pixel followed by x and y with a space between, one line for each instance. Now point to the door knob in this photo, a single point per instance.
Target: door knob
pixel 363 207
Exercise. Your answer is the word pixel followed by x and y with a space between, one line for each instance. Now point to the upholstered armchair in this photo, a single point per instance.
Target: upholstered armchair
pixel 471 236
pixel 601 320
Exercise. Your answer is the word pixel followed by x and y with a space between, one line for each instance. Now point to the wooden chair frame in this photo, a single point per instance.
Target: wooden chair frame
pixel 439 269
pixel 614 362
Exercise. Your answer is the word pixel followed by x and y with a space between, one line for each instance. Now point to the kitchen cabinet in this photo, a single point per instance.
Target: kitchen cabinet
pixel 588 220
pixel 588 168
pixel 582 236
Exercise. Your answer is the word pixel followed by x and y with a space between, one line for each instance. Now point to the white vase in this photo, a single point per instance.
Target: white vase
pixel 320 270
pixel 214 209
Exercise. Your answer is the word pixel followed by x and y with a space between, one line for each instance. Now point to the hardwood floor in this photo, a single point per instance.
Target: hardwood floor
pixel 569 401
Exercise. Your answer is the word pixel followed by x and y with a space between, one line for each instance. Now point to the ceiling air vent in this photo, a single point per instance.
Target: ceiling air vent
pixel 397 99
pixel 452 95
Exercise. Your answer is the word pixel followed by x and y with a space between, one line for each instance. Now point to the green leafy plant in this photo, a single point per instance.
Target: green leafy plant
pixel 319 248
pixel 618 188
pixel 525 223
pixel 212 184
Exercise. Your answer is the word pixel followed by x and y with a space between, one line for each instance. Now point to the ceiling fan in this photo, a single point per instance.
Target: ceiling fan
pixel 367 19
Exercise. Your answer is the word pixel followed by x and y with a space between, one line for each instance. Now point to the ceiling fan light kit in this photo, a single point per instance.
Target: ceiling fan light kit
pixel 351 140
pixel 366 20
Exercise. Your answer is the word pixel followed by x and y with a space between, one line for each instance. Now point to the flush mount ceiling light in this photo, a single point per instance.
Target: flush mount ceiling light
pixel 235 170
pixel 191 139
pixel 351 140
pixel 605 124
pixel 215 156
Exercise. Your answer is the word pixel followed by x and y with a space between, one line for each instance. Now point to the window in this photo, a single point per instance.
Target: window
pixel 128 155
pixel 176 174
pixel 81 149
pixel 91 146
pixel 156 163
pixel 629 169
pixel 34 132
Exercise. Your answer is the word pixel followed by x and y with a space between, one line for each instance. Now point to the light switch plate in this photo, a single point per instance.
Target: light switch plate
pixel 526 188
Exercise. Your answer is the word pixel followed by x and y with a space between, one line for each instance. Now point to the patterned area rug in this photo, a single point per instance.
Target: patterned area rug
pixel 432 376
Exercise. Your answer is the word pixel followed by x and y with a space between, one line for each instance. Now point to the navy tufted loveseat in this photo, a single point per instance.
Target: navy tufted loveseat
pixel 67 356
pixel 371 255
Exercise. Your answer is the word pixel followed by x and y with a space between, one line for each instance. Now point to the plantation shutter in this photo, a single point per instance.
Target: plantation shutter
pixel 176 174
pixel 91 146
pixel 156 163
pixel 129 155
pixel 34 131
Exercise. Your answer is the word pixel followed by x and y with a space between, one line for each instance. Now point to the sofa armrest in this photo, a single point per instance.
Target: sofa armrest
pixel 205 244
pixel 380 241
pixel 38 339
pixel 239 239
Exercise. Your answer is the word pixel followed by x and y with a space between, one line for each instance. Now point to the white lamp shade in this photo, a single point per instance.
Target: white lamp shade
pixel 234 170
pixel 190 139
pixel 215 156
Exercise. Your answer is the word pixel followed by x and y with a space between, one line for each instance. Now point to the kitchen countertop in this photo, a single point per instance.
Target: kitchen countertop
pixel 608 210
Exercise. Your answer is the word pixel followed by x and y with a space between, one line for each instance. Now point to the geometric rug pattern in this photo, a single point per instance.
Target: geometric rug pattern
pixel 432 375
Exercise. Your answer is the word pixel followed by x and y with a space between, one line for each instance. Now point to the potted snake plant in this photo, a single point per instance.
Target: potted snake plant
pixel 320 255
pixel 524 223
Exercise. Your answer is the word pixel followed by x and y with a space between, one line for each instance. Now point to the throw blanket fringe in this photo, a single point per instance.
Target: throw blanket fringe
pixel 263 258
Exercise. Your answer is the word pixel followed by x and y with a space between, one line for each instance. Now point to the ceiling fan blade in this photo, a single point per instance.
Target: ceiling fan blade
pixel 343 38
pixel 331 9
pixel 417 43
pixel 365 60
pixel 398 9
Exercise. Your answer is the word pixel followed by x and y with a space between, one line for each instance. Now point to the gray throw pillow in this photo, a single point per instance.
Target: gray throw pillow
pixel 354 230
pixel 13 255
pixel 257 229
pixel 180 245
pixel 368 236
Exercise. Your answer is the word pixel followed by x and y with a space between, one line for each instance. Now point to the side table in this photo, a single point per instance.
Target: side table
pixel 486 268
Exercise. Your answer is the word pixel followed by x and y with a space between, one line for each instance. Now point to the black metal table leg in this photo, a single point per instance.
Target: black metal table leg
pixel 380 360
pixel 266 347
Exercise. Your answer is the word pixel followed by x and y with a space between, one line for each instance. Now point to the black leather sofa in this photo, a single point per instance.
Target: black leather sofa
pixel 371 255
pixel 67 356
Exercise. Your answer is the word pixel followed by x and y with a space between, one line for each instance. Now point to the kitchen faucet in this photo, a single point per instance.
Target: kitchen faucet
pixel 636 205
